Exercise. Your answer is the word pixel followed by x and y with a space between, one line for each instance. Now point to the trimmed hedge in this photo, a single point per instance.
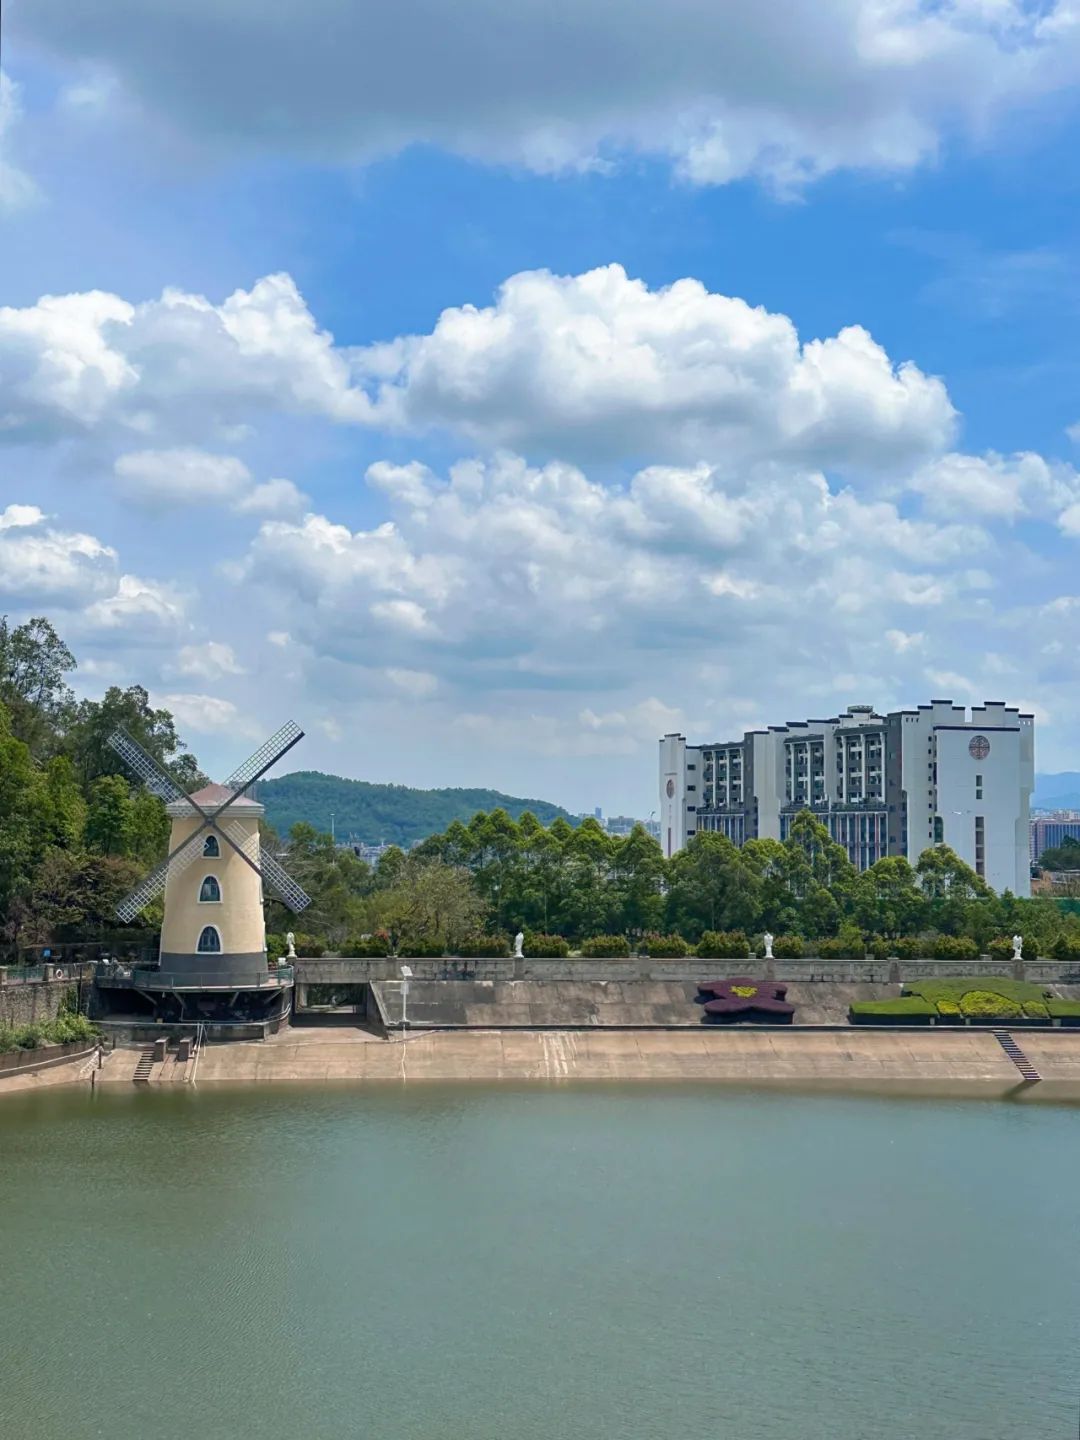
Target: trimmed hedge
pixel 422 949
pixel 546 947
pixel 1001 948
pixel 907 1010
pixel 787 947
pixel 372 946
pixel 1066 947
pixel 954 947
pixel 664 947
pixel 841 947
pixel 605 947
pixel 481 946
pixel 723 945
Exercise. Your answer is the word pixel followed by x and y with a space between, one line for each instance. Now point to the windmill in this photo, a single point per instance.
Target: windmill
pixel 213 915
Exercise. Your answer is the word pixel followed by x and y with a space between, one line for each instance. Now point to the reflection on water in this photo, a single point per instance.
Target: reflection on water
pixel 643 1263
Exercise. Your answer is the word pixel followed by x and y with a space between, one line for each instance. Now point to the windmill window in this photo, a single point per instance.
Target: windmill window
pixel 211 849
pixel 209 941
pixel 209 890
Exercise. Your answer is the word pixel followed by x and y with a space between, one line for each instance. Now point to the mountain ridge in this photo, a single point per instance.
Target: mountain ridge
pixel 377 813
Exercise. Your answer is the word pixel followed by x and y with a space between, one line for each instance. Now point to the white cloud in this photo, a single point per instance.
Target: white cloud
pixel 177 367
pixel 272 497
pixel 41 565
pixel 164 478
pixel 15 517
pixel 507 577
pixel 1000 487
pixel 278 638
pixel 17 190
pixel 205 714
pixel 723 91
pixel 208 661
pixel 600 365
pixel 146 611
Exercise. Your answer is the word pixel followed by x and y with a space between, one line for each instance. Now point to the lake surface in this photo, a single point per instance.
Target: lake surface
pixel 517 1264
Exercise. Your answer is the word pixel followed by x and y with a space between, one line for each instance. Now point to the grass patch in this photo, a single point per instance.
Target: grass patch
pixel 905 1005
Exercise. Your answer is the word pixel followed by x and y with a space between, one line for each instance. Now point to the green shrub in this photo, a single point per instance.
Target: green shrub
pixel 986 1005
pixel 1001 948
pixel 788 947
pixel 907 947
pixel 723 945
pixel 546 947
pixel 64 1030
pixel 605 947
pixel 420 949
pixel 1019 993
pixel 1037 1010
pixel 664 947
pixel 949 1007
pixel 1066 947
pixel 848 945
pixel 306 944
pixel 372 946
pixel 479 946
pixel 954 947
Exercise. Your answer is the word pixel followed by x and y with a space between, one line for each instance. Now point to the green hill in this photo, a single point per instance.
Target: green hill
pixel 373 813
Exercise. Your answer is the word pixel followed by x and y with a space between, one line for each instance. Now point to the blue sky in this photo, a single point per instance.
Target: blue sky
pixel 617 371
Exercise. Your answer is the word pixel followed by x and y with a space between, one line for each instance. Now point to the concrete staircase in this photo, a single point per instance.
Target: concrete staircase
pixel 145 1065
pixel 1017 1056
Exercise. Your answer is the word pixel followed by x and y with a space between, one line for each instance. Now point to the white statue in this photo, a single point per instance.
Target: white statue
pixel 1018 947
pixel 768 939
pixel 519 941
pixel 290 943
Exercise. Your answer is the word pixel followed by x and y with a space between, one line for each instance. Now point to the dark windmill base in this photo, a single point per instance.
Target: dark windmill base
pixel 239 1000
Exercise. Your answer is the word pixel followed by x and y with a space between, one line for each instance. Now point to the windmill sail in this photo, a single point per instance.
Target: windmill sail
pixel 155 882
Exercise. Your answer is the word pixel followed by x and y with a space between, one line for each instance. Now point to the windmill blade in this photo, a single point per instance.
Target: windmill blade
pixel 275 877
pixel 150 888
pixel 154 776
pixel 267 754
pixel 284 886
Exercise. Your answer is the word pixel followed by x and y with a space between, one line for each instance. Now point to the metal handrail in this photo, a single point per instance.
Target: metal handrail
pixel 155 979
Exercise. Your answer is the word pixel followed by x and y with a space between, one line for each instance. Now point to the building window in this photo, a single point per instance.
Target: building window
pixel 209 941
pixel 978 787
pixel 210 891
pixel 211 850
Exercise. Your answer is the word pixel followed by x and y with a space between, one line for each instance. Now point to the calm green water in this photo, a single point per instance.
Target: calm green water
pixel 646 1264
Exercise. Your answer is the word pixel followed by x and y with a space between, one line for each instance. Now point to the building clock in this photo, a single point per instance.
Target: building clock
pixel 979 747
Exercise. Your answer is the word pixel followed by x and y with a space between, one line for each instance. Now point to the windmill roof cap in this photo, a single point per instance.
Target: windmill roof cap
pixel 213 796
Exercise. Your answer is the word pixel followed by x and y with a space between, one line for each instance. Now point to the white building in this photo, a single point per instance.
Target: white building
pixel 883 784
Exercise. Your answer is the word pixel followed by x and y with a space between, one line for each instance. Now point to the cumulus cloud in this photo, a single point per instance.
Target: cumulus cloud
pixel 272 497
pixel 205 714
pixel 786 93
pixel 510 576
pixel 144 611
pixel 997 487
pixel 179 366
pixel 163 478
pixel 600 365
pixel 41 565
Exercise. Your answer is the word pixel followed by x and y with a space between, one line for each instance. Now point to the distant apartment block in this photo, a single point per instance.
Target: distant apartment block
pixel 1048 831
pixel 891 784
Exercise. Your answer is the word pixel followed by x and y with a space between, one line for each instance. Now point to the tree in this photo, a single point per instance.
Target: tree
pixel 75 895
pixel 65 807
pixel 337 881
pixel 431 902
pixel 887 898
pixel 33 664
pixel 110 820
pixel 638 872
pixel 1065 856
pixel 95 720
pixel 23 823
pixel 712 887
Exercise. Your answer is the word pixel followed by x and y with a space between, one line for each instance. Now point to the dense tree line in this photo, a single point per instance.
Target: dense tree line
pixel 581 881
pixel 75 832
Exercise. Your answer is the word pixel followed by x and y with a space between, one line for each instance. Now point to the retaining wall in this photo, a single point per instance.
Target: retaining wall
pixel 20 1004
pixel 337 970
pixel 20 1062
